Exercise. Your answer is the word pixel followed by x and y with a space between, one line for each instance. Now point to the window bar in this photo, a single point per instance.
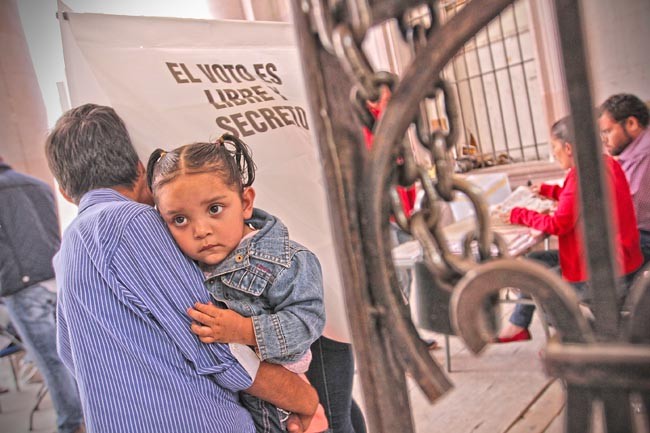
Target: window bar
pixel 512 93
pixel 506 37
pixel 471 98
pixel 496 82
pixel 499 69
pixel 471 94
pixel 487 111
pixel 447 71
pixel 523 69
pixel 461 112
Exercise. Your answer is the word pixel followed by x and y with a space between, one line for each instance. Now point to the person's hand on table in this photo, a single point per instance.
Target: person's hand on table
pixel 535 188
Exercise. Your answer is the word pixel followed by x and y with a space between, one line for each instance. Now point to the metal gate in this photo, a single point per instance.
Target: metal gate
pixel 608 364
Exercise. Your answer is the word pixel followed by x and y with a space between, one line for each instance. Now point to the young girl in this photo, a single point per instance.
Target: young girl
pixel 267 289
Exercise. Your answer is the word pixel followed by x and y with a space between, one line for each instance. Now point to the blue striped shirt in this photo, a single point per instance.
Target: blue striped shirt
pixel 123 330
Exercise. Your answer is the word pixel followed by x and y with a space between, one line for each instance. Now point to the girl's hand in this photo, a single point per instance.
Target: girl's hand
pixel 296 423
pixel 218 325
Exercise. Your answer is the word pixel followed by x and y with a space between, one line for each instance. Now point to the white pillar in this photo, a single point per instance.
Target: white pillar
pixel 549 60
pixel 251 10
pixel 23 120
pixel 618 34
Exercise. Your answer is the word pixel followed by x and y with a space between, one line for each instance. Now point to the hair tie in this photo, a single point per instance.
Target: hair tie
pixel 162 155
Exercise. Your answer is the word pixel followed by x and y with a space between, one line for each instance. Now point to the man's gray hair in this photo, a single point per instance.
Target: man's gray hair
pixel 90 148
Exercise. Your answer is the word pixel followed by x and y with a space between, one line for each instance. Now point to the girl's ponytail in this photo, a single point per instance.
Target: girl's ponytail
pixel 155 156
pixel 242 155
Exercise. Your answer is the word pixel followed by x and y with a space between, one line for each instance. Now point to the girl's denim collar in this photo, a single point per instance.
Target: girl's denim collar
pixel 270 244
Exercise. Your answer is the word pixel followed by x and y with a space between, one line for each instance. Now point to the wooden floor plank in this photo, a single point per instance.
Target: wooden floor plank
pixel 543 412
pixel 557 426
pixel 491 391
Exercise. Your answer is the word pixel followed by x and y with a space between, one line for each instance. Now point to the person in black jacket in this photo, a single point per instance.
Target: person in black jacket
pixel 29 238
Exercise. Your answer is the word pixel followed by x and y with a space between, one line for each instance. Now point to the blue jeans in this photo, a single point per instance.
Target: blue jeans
pixel 32 312
pixel 523 314
pixel 645 245
pixel 266 416
pixel 331 372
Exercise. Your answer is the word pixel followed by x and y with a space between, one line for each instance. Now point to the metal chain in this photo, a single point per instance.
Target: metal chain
pixel 344 38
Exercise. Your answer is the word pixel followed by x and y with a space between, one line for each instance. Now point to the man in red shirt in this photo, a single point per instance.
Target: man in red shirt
pixel 564 223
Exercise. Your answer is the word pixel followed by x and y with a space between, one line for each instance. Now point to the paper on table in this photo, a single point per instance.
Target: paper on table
pixel 524 197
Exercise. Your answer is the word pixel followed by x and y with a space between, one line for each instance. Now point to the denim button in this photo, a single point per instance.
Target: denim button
pixel 239 258
pixel 26 279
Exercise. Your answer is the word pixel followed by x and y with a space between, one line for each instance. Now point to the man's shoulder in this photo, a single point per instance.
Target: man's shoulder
pixel 638 152
pixel 119 227
pixel 114 217
pixel 126 208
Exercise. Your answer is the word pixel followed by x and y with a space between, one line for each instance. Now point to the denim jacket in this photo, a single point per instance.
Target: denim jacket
pixel 276 282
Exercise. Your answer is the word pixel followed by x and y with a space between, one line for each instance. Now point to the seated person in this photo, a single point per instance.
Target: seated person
pixel 564 223
pixel 623 123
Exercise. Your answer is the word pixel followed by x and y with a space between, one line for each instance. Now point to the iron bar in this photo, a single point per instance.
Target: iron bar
pixel 600 365
pixel 594 191
pixel 498 89
pixel 479 141
pixel 579 404
pixel 342 153
pixel 400 111
pixel 460 109
pixel 460 80
pixel 523 70
pixel 512 90
pixel 617 407
pixel 487 111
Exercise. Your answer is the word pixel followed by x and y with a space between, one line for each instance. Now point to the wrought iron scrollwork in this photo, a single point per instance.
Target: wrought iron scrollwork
pixel 362 187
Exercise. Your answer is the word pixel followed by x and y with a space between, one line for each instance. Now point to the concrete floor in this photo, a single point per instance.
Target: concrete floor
pixel 17 405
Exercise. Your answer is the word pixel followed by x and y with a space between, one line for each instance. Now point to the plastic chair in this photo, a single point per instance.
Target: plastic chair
pixel 40 395
pixel 11 352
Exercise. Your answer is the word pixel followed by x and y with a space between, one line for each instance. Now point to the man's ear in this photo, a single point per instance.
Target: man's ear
pixel 248 200
pixel 66 196
pixel 142 171
pixel 142 188
pixel 632 124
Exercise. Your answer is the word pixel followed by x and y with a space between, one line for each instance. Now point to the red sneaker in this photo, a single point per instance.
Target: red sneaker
pixel 522 335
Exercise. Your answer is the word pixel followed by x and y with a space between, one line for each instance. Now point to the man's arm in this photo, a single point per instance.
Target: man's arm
pixel 285 389
pixel 158 282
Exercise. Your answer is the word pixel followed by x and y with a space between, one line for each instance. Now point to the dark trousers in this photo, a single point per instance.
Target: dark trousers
pixel 645 245
pixel 331 372
pixel 523 314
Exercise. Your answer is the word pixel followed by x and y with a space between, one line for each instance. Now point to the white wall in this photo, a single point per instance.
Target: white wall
pixel 618 35
pixel 44 38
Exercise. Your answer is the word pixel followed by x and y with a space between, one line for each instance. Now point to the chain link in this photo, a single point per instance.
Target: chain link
pixel 344 38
